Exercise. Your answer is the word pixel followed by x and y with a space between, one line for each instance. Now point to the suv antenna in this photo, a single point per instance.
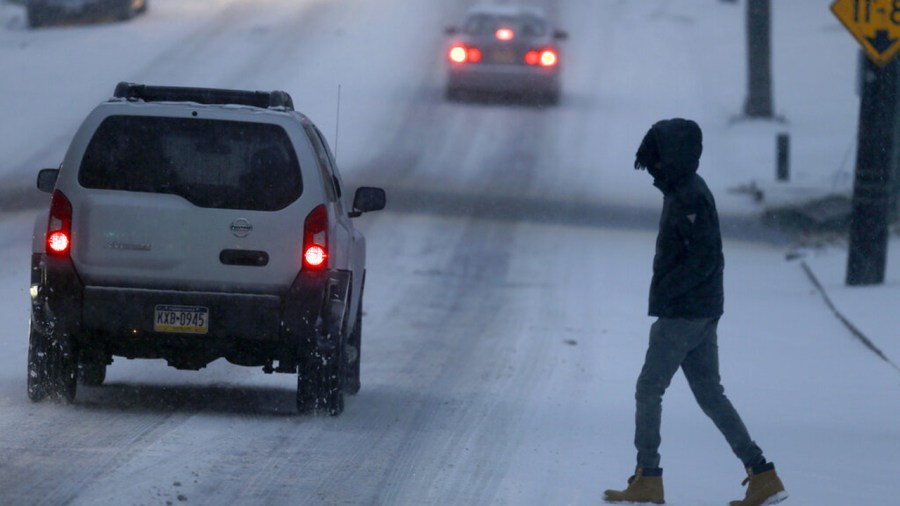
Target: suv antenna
pixel 337 123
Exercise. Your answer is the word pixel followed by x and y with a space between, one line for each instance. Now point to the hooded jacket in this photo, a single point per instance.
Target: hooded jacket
pixel 688 266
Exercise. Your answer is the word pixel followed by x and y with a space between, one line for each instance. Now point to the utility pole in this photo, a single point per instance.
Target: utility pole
pixel 894 202
pixel 869 231
pixel 759 60
pixel 875 24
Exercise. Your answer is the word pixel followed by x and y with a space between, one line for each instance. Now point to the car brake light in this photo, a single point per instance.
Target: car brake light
pixel 315 238
pixel 463 54
pixel 59 226
pixel 314 256
pixel 504 34
pixel 548 58
pixel 458 54
pixel 544 58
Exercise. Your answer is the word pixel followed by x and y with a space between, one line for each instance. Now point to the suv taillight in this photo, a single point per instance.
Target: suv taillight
pixel 59 226
pixel 315 238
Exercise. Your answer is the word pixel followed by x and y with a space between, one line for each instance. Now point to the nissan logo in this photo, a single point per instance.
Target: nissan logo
pixel 241 227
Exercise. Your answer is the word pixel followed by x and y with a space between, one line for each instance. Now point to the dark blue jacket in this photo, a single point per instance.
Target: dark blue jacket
pixel 688 266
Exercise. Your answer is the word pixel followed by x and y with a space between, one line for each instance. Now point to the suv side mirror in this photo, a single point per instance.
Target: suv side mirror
pixel 46 180
pixel 451 30
pixel 560 34
pixel 367 199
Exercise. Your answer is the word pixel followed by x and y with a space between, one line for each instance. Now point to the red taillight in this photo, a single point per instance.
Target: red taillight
pixel 504 34
pixel 59 226
pixel 463 54
pixel 549 58
pixel 314 256
pixel 58 242
pixel 315 238
pixel 458 54
pixel 544 58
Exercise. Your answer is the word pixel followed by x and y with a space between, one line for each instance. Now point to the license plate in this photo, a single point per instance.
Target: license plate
pixel 503 56
pixel 182 319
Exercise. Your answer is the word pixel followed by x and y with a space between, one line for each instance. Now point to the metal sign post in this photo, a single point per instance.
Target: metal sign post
pixel 875 24
pixel 869 231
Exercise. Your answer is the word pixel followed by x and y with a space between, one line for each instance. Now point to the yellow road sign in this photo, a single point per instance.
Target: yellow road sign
pixel 875 24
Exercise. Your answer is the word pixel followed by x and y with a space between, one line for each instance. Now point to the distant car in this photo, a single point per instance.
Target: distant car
pixel 41 12
pixel 192 224
pixel 506 49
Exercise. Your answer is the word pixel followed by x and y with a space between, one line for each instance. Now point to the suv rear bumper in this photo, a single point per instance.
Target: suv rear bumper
pixel 130 312
pixel 245 329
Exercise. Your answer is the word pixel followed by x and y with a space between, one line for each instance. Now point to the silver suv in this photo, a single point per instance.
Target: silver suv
pixel 191 224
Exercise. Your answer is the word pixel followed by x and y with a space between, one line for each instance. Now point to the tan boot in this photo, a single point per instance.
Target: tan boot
pixel 764 487
pixel 641 489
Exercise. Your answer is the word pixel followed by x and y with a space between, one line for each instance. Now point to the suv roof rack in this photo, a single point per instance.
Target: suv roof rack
pixel 210 96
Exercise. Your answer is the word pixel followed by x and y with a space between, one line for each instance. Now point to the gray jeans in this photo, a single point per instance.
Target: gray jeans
pixel 691 345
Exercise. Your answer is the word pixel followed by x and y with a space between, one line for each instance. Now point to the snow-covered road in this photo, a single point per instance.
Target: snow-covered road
pixel 506 293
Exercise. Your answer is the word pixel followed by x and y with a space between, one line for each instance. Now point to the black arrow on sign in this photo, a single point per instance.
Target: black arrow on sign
pixel 882 41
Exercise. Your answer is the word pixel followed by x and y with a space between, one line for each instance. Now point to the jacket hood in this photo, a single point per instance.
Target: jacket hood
pixel 677 143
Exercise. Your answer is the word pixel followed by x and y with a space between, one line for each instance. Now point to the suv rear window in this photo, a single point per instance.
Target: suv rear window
pixel 211 163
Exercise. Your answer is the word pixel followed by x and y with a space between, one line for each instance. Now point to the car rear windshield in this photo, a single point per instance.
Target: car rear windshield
pixel 487 24
pixel 211 163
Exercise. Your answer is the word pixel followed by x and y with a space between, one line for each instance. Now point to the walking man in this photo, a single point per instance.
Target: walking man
pixel 686 296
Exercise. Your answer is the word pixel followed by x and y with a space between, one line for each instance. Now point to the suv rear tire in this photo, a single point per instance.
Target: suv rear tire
pixel 37 368
pixel 320 381
pixel 52 369
pixel 353 355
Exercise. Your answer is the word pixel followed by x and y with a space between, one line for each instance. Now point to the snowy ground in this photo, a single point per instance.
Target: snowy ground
pixel 502 340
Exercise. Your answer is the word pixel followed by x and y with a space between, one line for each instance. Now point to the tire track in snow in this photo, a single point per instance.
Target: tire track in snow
pixel 473 285
pixel 64 460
